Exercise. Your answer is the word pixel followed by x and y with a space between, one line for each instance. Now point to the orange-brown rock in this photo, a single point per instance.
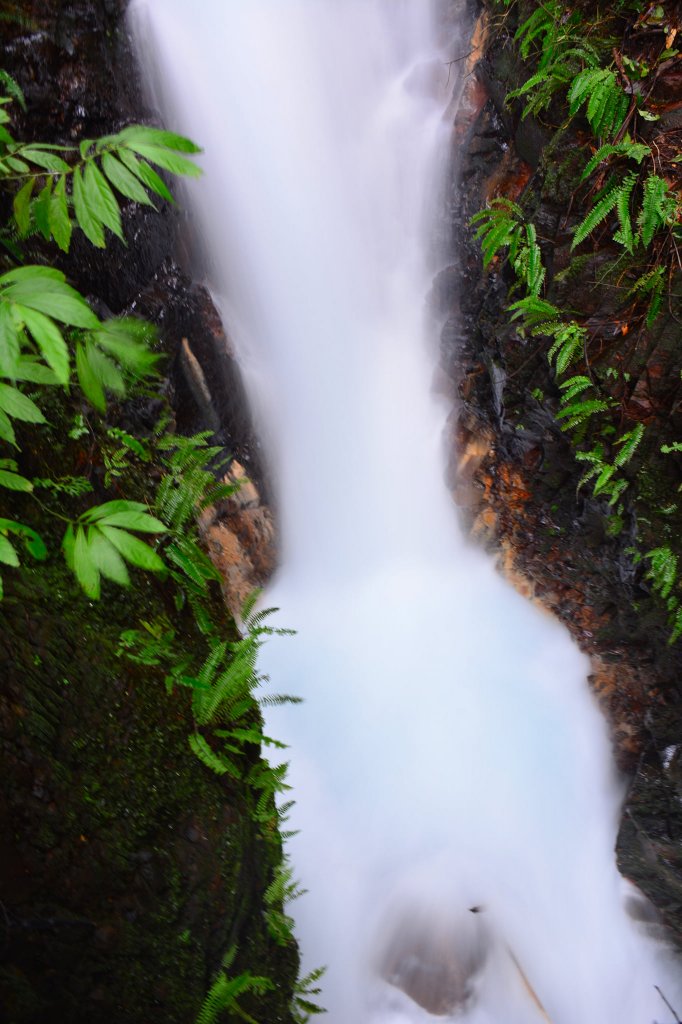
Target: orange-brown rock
pixel 239 534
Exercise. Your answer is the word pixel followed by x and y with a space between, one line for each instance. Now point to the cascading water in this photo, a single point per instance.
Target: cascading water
pixel 448 754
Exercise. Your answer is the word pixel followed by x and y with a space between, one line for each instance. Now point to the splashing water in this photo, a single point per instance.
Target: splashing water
pixel 448 755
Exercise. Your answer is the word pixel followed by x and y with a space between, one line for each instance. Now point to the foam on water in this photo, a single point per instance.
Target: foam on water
pixel 448 754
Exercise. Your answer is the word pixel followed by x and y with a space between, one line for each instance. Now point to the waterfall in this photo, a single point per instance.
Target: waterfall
pixel 448 755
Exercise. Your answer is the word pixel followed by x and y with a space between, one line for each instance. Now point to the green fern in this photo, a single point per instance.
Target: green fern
pixel 606 102
pixel 568 345
pixel 225 991
pixel 615 194
pixel 574 386
pixel 217 762
pixel 577 412
pixel 629 443
pixel 625 235
pixel 631 150
pixel 651 283
pixel 662 570
pixel 499 228
pixel 283 890
pixel 304 1004
pixel 659 208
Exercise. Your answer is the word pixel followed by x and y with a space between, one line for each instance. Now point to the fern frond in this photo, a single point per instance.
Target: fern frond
pixel 625 236
pixel 632 150
pixel 597 214
pixel 218 763
pixel 224 993
pixel 568 345
pixel 663 570
pixel 630 443
pixel 652 215
pixel 574 386
pixel 577 412
pixel 534 311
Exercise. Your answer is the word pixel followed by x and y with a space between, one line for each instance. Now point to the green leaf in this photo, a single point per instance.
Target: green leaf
pixel 17 165
pixel 6 429
pixel 44 158
pixel 84 566
pixel 46 291
pixel 157 137
pixel 29 368
pixel 41 210
pixel 9 342
pixel 22 206
pixel 106 371
pixel 106 558
pixel 216 762
pixel 88 379
pixel 110 507
pixel 31 274
pixel 12 88
pixel 630 442
pixel 90 224
pixel 134 520
pixel 58 216
pixel 14 482
pixel 8 555
pixel 146 174
pixel 17 405
pixel 128 340
pixel 100 199
pixel 596 215
pixel 49 340
pixel 168 161
pixel 652 215
pixel 631 150
pixel 33 542
pixel 133 549
pixel 124 180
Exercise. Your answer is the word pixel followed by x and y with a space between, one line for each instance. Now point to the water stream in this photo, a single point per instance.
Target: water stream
pixel 448 754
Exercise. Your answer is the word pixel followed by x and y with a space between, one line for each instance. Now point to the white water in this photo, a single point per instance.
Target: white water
pixel 448 753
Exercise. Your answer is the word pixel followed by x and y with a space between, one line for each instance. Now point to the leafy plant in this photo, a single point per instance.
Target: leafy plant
pixel 225 992
pixel 47 328
pixel 304 1004
pixel 103 540
pixel 600 91
pixel 282 890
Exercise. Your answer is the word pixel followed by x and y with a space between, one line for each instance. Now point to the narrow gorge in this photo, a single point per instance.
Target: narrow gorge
pixel 485 765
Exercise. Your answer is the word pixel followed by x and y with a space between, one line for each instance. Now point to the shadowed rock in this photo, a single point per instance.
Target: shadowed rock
pixel 433 960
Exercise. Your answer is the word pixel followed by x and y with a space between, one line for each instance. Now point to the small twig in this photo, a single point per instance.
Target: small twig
pixel 672 1009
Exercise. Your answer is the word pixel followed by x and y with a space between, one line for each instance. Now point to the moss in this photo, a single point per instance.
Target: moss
pixel 118 825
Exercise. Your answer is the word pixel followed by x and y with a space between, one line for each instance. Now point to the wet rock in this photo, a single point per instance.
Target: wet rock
pixel 514 475
pixel 240 539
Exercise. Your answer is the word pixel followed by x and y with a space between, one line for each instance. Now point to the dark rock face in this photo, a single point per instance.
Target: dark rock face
pixel 127 870
pixel 516 480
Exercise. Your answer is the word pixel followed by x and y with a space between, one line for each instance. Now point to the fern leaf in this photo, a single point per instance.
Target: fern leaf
pixel 596 215
pixel 583 86
pixel 219 764
pixel 577 412
pixel 630 443
pixel 605 474
pixel 663 570
pixel 574 386
pixel 534 310
pixel 652 215
pixel 625 236
pixel 632 150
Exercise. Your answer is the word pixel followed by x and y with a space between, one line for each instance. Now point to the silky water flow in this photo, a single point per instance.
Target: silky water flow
pixel 448 755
